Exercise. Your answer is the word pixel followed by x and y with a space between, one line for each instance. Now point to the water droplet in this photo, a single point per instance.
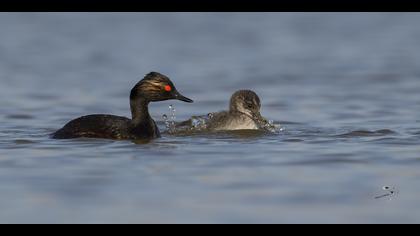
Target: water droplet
pixel 167 124
pixel 170 121
pixel 195 122
pixel 198 123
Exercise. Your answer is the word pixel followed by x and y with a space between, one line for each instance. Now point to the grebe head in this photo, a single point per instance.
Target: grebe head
pixel 156 87
pixel 247 102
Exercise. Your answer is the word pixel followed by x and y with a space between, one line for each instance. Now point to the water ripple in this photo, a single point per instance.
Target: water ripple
pixel 366 133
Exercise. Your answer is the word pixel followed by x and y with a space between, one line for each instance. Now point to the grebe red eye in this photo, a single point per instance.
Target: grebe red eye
pixel 168 88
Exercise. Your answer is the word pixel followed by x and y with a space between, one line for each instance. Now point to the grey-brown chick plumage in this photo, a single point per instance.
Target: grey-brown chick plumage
pixel 243 114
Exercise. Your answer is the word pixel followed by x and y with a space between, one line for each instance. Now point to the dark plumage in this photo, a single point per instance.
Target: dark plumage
pixel 154 87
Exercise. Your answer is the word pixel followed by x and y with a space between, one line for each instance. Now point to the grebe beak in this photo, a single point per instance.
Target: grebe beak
pixel 180 97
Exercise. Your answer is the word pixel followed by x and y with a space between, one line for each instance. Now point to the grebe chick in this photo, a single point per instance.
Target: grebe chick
pixel 244 114
pixel 153 88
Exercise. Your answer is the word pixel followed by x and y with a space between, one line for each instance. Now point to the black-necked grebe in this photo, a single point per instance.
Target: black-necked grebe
pixel 153 88
pixel 244 114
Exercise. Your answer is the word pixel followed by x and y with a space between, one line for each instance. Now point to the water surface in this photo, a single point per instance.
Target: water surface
pixel 345 88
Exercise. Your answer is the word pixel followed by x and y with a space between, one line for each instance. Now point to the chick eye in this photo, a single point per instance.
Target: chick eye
pixel 249 106
pixel 168 88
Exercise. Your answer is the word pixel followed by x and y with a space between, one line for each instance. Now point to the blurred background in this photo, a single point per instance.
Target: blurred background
pixel 343 85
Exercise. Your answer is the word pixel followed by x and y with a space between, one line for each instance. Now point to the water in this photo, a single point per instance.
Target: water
pixel 344 87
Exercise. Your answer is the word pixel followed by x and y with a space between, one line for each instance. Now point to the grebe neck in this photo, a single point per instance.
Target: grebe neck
pixel 140 110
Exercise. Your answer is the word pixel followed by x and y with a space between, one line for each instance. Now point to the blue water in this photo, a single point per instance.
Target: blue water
pixel 344 86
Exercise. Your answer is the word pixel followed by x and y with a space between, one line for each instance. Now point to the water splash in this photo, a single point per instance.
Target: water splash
pixel 199 123
pixel 173 115
pixel 270 126
pixel 166 120
pixel 170 121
